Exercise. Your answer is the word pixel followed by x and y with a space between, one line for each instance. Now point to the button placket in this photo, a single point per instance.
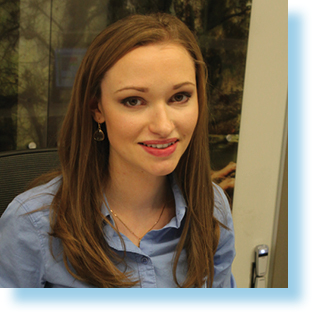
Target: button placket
pixel 144 260
pixel 146 272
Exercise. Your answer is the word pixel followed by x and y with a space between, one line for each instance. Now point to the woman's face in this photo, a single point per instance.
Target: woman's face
pixel 150 106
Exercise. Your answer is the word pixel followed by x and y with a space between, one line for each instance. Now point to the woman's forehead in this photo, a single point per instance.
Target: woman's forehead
pixel 151 64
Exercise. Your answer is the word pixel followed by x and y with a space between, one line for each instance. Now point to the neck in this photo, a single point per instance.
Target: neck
pixel 139 202
pixel 137 195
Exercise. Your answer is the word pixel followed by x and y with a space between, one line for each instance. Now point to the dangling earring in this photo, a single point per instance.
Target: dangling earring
pixel 99 134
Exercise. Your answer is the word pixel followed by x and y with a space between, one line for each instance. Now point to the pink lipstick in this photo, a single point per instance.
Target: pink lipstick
pixel 160 148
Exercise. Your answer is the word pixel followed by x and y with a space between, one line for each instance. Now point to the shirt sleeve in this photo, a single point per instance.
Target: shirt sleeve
pixel 224 256
pixel 21 259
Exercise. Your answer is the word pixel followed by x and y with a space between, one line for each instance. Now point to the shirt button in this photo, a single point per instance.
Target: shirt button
pixel 144 260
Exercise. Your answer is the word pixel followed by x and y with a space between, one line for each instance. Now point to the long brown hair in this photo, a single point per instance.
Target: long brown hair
pixel 76 217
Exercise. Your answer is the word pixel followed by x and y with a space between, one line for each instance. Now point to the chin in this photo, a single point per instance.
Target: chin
pixel 161 174
pixel 163 171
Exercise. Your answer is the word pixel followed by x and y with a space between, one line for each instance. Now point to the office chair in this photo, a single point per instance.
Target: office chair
pixel 19 168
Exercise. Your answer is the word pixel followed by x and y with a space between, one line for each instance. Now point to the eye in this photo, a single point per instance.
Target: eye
pixel 132 101
pixel 182 97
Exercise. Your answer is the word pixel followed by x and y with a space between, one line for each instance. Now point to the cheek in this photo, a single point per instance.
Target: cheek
pixel 190 121
pixel 120 128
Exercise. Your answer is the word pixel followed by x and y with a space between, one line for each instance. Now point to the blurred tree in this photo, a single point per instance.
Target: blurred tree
pixel 221 27
pixel 9 36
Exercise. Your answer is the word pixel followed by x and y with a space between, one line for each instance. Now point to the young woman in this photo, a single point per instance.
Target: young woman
pixel 133 204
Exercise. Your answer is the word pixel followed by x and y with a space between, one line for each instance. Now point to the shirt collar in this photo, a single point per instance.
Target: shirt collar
pixel 180 203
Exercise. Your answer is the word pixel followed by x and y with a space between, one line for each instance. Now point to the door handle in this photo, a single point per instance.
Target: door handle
pixel 259 268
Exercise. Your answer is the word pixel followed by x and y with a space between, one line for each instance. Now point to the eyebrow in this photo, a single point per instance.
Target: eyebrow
pixel 144 89
pixel 177 86
pixel 137 88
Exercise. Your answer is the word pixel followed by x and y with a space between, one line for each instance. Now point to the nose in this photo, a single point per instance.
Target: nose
pixel 161 122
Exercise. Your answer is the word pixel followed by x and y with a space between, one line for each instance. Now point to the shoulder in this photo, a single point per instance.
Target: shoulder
pixel 222 210
pixel 225 252
pixel 223 214
pixel 37 198
pixel 24 245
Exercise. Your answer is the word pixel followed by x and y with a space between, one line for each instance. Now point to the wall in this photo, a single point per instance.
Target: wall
pixel 262 136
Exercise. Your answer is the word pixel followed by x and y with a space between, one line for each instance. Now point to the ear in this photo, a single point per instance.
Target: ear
pixel 96 111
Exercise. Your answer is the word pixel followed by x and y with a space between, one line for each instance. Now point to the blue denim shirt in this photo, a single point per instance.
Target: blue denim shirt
pixel 26 260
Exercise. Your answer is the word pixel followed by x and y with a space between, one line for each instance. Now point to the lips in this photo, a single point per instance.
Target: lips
pixel 160 148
